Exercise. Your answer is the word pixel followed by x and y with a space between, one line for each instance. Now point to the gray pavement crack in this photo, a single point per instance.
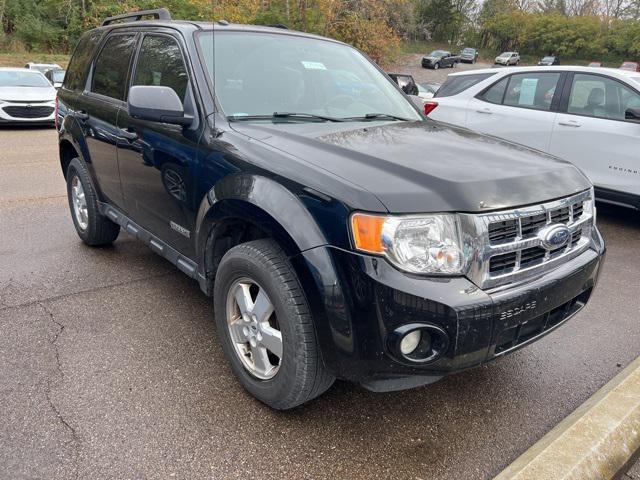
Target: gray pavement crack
pixel 75 439
pixel 88 290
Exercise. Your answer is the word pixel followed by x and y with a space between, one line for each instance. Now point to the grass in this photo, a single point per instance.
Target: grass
pixel 21 59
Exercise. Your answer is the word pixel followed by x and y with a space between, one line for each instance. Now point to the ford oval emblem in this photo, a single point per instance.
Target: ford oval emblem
pixel 554 236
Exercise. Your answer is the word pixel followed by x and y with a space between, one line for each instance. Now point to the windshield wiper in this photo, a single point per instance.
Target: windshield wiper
pixel 285 115
pixel 375 116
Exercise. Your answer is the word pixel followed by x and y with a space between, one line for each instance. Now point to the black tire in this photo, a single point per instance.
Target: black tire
pixel 301 374
pixel 99 230
pixel 436 66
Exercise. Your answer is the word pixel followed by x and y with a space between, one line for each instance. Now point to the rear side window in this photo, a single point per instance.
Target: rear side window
pixel 160 63
pixel 77 71
pixel 458 84
pixel 531 90
pixel 495 93
pixel 112 67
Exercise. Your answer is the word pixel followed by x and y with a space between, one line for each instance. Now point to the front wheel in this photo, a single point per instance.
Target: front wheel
pixel 265 325
pixel 436 66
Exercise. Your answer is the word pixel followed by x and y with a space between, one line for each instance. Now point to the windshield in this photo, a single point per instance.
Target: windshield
pixel 22 79
pixel 548 59
pixel 505 55
pixel 258 74
pixel 58 76
pixel 437 53
pixel 468 50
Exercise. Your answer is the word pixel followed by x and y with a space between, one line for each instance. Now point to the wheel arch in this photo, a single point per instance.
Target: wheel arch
pixel 249 207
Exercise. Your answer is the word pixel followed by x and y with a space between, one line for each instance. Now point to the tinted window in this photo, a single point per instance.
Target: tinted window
pixel 160 63
pixel 75 79
pixel 601 97
pixel 495 93
pixel 531 90
pixel 112 66
pixel 458 84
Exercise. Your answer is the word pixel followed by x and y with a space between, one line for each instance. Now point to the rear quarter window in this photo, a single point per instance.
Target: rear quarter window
pixel 82 56
pixel 458 84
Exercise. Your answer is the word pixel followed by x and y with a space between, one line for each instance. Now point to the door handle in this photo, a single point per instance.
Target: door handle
pixel 128 135
pixel 569 123
pixel 486 111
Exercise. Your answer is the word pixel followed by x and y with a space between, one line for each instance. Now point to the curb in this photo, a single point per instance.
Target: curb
pixel 600 440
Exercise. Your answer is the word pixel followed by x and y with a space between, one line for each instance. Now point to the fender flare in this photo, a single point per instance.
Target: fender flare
pixel 260 201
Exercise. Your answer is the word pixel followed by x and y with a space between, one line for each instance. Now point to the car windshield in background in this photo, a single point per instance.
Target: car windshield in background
pixel 22 79
pixel 468 50
pixel 548 59
pixel 58 76
pixel 259 74
pixel 437 53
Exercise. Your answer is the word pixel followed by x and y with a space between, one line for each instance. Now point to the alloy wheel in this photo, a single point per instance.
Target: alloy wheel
pixel 254 329
pixel 79 201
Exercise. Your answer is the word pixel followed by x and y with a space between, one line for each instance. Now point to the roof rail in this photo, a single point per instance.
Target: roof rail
pixel 158 14
pixel 278 25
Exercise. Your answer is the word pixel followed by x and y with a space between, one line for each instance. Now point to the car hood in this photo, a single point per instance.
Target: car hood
pixel 416 167
pixel 27 94
pixel 431 58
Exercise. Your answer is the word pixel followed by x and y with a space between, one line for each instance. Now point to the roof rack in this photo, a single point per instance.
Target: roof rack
pixel 158 14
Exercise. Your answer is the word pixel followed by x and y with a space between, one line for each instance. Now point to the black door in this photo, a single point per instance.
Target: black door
pixel 157 161
pixel 97 112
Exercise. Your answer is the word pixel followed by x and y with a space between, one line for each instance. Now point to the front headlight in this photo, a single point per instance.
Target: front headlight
pixel 424 244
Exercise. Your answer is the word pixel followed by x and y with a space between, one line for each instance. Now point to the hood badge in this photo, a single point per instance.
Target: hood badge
pixel 554 236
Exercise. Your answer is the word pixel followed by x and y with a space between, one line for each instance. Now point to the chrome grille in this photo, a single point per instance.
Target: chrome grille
pixel 509 248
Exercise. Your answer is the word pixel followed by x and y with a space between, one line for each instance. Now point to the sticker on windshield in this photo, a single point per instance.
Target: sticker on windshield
pixel 528 91
pixel 314 66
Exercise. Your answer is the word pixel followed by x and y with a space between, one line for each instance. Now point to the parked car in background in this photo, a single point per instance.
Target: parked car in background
pixel 631 66
pixel 55 77
pixel 508 58
pixel 469 55
pixel 439 59
pixel 339 235
pixel 595 64
pixel 549 60
pixel 590 118
pixel 405 82
pixel 26 97
pixel 426 91
pixel 42 67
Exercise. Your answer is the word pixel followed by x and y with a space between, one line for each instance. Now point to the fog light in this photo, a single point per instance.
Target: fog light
pixel 410 342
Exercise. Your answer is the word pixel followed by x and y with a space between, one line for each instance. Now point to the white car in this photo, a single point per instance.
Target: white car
pixel 588 117
pixel 26 97
pixel 42 67
pixel 508 58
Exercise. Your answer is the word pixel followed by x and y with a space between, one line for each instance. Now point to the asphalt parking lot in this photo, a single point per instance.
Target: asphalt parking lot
pixel 110 366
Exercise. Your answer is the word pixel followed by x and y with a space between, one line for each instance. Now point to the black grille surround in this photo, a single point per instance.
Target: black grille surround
pixel 511 247
pixel 28 112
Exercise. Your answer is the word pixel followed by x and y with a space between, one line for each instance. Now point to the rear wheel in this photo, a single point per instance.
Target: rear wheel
pixel 93 228
pixel 265 326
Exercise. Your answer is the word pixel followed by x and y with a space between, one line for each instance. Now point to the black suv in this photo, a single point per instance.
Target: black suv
pixel 339 232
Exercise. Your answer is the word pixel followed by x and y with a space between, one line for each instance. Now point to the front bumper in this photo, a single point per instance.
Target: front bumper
pixel 363 301
pixel 25 113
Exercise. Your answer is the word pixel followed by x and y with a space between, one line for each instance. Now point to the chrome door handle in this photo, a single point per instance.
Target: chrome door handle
pixel 128 135
pixel 569 123
pixel 485 111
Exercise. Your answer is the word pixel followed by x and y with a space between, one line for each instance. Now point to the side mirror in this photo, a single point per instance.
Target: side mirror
pixel 632 114
pixel 157 104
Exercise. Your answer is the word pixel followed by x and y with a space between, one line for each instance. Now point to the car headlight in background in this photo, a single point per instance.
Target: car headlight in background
pixel 423 244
